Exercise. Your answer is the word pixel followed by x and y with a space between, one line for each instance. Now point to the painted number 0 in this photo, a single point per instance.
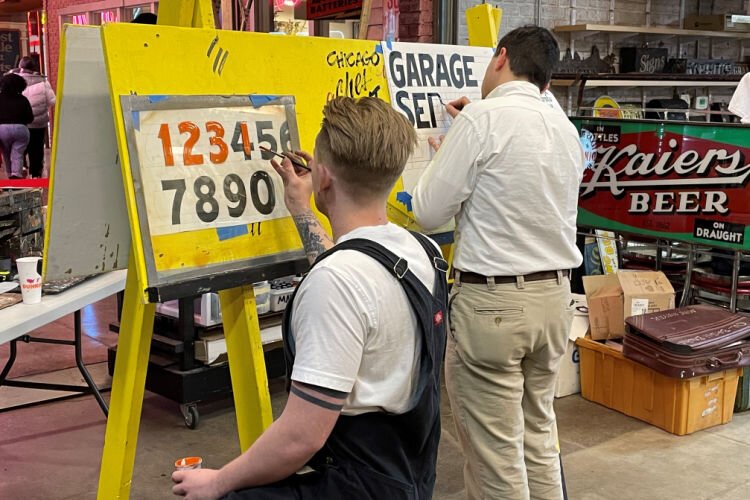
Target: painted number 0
pixel 207 206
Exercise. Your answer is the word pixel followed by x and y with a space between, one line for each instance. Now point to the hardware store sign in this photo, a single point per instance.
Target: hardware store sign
pixel 675 181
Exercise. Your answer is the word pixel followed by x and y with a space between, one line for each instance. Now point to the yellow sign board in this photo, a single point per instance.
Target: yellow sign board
pixel 206 194
pixel 218 63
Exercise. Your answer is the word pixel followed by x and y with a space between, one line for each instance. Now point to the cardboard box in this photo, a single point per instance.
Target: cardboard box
pixel 569 376
pixel 717 22
pixel 613 297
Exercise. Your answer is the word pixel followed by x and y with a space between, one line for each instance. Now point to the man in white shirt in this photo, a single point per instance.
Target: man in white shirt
pixel 364 334
pixel 509 170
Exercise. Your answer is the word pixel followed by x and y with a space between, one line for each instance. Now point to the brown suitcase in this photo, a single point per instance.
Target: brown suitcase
pixel 689 341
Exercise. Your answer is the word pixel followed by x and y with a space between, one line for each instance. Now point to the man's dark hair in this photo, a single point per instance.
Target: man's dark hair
pixel 532 52
pixel 12 84
pixel 28 63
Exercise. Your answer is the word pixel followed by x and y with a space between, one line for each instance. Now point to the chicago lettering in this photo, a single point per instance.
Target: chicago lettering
pixel 355 82
pixel 341 59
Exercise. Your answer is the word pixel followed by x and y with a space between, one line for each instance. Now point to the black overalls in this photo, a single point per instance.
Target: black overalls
pixel 380 455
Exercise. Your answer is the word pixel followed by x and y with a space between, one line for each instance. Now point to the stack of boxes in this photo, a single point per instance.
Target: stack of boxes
pixel 607 377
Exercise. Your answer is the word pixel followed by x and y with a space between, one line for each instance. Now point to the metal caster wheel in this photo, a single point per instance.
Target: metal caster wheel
pixel 191 415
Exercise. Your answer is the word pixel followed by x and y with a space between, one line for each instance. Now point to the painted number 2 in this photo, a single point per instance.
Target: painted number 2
pixel 207 206
pixel 219 152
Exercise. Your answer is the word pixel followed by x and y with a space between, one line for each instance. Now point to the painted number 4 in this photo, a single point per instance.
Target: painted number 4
pixel 241 141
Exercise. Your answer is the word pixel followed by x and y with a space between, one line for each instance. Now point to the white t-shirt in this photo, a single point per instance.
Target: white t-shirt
pixel 354 328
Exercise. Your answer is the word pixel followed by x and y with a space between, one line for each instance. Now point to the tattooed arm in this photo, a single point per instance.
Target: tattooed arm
pixel 314 237
pixel 297 192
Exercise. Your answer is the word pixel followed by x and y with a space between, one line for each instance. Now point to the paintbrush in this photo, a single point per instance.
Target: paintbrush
pixel 295 162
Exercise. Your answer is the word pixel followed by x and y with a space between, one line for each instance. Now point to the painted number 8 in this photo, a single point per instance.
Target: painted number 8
pixel 207 207
pixel 206 197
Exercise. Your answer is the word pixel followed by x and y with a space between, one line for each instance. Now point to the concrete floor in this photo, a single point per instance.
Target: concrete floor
pixel 52 451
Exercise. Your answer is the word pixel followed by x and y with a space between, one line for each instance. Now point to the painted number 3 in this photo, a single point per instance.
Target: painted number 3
pixel 207 206
pixel 219 153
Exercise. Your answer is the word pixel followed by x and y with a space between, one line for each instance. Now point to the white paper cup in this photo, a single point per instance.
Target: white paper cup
pixel 29 280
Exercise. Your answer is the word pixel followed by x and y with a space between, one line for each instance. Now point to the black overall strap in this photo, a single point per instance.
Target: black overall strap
pixel 395 264
pixel 417 293
pixel 421 299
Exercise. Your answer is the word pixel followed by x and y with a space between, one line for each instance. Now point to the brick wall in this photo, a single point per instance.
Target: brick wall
pixel 375 29
pixel 415 21
pixel 53 33
pixel 623 12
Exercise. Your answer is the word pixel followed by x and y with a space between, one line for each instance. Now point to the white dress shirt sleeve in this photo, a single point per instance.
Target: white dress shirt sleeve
pixel 740 103
pixel 450 178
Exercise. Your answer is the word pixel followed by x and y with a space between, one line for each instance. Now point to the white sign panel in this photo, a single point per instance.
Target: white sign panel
pixel 203 168
pixel 422 78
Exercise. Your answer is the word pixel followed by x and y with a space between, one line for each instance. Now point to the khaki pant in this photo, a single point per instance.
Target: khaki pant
pixel 504 350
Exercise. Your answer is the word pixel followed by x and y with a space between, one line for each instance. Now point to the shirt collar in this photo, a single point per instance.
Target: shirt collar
pixel 516 87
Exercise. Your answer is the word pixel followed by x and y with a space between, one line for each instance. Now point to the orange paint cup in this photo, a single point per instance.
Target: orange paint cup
pixel 188 463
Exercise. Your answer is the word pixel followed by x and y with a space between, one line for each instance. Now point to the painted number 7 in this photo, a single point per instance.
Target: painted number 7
pixel 179 187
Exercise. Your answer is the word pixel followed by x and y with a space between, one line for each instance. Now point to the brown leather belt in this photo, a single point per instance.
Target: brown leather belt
pixel 478 279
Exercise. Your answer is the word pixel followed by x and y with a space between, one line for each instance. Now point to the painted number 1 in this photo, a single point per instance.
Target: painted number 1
pixel 219 153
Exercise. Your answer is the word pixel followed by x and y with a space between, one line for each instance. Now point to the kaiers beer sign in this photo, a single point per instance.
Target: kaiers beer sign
pixel 676 181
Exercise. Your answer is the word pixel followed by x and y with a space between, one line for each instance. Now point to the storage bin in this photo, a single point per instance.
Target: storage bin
pixel 679 406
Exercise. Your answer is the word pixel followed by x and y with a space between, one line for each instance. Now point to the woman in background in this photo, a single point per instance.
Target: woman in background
pixel 15 114
pixel 41 97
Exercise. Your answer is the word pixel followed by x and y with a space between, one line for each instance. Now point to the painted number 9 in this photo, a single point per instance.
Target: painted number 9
pixel 207 207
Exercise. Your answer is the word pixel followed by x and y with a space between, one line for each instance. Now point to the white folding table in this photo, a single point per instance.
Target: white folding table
pixel 18 320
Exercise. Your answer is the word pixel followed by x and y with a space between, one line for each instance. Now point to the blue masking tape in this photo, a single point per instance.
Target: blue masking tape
pixel 379 48
pixel 226 233
pixel 389 44
pixel 136 119
pixel 404 198
pixel 157 98
pixel 259 100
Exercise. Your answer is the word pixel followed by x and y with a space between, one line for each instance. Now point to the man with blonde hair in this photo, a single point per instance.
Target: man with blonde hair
pixel 364 334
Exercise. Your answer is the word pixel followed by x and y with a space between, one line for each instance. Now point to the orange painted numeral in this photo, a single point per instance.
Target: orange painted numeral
pixel 187 152
pixel 217 140
pixel 166 145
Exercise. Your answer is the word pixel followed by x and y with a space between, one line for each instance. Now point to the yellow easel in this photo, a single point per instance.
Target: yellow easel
pixel 241 329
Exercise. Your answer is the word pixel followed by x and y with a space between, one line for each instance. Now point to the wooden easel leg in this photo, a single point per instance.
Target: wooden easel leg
pixel 246 364
pixel 128 385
